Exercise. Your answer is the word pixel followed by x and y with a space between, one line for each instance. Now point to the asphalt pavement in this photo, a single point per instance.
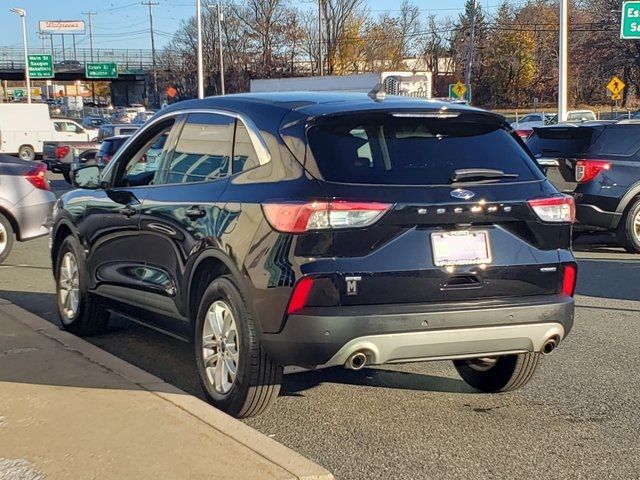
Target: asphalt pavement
pixel 578 418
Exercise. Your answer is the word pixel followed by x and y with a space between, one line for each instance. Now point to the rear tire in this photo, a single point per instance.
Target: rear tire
pixel 628 232
pixel 26 152
pixel 6 237
pixel 226 340
pixel 79 312
pixel 498 374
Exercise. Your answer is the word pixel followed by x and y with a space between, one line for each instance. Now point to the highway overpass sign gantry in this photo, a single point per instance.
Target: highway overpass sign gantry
pixel 630 24
pixel 101 70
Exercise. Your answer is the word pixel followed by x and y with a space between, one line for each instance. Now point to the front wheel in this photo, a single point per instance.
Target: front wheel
pixel 498 374
pixel 236 374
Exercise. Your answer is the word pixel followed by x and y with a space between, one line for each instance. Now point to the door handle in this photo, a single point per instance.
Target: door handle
pixel 195 212
pixel 128 211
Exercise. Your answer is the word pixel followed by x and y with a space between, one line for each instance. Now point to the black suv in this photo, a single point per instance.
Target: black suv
pixel 322 230
pixel 599 164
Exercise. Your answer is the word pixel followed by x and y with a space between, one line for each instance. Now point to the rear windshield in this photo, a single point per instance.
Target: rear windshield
pixel 414 150
pixel 559 142
pixel 617 140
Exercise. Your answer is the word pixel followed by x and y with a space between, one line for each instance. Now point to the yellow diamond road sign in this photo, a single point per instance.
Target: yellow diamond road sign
pixel 615 86
pixel 460 89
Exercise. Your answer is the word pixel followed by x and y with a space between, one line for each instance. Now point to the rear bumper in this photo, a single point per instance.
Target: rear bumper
pixel 34 214
pixel 591 215
pixel 400 333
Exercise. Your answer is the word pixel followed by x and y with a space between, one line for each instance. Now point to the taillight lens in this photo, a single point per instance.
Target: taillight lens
pixel 587 170
pixel 524 134
pixel 300 295
pixel 569 272
pixel 62 151
pixel 303 217
pixel 561 209
pixel 37 176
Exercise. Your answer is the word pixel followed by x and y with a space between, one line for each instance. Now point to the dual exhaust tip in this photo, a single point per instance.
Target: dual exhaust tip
pixel 549 346
pixel 358 360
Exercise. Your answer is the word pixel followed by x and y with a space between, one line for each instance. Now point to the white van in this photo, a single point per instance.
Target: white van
pixel 24 126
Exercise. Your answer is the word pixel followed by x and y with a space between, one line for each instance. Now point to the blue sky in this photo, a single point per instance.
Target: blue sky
pixel 125 23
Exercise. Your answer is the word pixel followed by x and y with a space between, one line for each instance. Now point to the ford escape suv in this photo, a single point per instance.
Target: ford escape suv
pixel 319 230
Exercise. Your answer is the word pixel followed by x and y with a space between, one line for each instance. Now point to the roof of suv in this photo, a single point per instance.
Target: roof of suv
pixel 314 103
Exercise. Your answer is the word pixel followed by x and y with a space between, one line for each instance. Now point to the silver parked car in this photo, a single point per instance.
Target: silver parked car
pixel 25 202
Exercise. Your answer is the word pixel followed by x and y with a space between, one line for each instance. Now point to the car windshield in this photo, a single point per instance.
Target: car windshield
pixel 416 150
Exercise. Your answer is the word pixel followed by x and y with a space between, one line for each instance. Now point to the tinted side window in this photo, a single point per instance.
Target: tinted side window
pixel 558 142
pixel 244 154
pixel 203 151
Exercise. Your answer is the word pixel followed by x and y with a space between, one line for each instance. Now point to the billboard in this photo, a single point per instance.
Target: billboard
pixel 71 27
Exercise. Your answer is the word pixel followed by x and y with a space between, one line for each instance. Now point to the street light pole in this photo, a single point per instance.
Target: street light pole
pixel 219 11
pixel 23 15
pixel 563 61
pixel 200 67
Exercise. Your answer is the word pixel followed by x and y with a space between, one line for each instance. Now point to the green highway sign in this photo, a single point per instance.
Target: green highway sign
pixel 630 24
pixel 40 66
pixel 18 93
pixel 101 70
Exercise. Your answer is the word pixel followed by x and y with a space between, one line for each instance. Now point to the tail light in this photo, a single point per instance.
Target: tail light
pixel 62 151
pixel 106 159
pixel 569 272
pixel 303 217
pixel 587 170
pixel 37 176
pixel 561 209
pixel 524 134
pixel 300 295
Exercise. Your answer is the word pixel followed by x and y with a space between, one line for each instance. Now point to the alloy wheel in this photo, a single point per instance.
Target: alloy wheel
pixel 69 287
pixel 3 238
pixel 220 346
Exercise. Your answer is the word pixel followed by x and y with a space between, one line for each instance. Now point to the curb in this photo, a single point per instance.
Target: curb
pixel 298 466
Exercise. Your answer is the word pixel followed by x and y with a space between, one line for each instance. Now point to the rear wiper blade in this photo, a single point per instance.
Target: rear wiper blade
pixel 470 174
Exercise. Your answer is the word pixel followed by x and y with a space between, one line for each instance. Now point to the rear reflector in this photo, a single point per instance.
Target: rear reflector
pixel 560 209
pixel 300 295
pixel 587 170
pixel 569 279
pixel 37 176
pixel 303 217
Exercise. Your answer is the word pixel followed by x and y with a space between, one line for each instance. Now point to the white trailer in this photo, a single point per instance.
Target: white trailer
pixel 23 128
pixel 412 84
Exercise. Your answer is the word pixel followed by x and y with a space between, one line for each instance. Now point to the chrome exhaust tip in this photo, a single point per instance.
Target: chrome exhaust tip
pixel 356 361
pixel 549 346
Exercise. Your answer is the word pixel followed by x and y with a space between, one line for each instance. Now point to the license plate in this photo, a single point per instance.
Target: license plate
pixel 461 247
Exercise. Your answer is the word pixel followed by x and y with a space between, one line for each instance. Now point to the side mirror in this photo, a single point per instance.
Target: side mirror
pixel 87 177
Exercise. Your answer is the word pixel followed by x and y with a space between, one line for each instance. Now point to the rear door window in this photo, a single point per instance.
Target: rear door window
pixel 415 150
pixel 203 151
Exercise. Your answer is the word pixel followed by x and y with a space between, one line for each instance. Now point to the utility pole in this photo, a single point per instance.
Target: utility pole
pixel 320 59
pixel 563 61
pixel 90 14
pixel 151 4
pixel 23 17
pixel 219 15
pixel 200 66
pixel 472 38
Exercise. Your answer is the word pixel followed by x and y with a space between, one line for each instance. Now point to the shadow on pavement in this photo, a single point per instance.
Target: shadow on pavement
pixel 609 279
pixel 172 360
pixel 295 384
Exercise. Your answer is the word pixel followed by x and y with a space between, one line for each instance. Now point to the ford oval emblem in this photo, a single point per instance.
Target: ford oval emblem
pixel 462 194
